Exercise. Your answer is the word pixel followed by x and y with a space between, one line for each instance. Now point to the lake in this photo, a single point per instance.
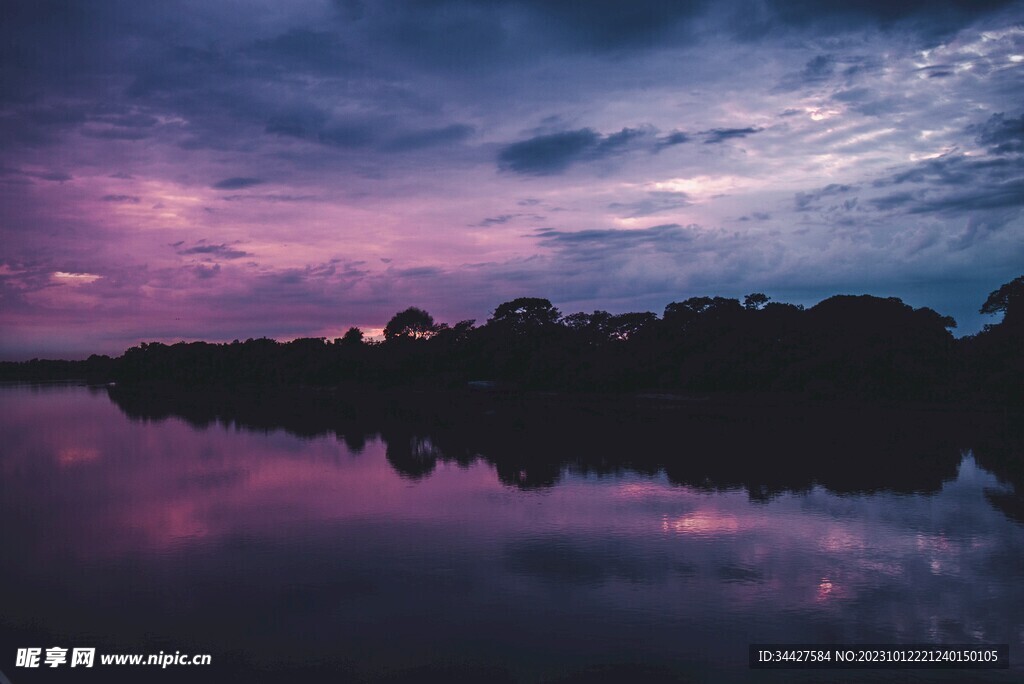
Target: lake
pixel 490 539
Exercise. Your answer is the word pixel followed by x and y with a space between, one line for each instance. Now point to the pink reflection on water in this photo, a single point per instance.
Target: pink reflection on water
pixel 705 523
pixel 69 456
pixel 154 486
pixel 106 489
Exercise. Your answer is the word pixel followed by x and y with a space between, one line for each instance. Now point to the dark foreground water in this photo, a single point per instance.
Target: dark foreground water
pixel 323 543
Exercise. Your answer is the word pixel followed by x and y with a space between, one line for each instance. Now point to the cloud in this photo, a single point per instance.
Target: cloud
pixel 548 154
pixel 419 272
pixel 805 201
pixel 818 70
pixel 54 176
pixel 496 220
pixel 374 129
pixel 553 153
pixel 952 169
pixel 720 135
pixel 237 183
pixel 897 200
pixel 438 31
pixel 269 197
pixel 654 203
pixel 1001 135
pixel 415 140
pixel 222 251
pixel 1006 195
pixel 612 25
pixel 204 272
pixel 928 18
pixel 349 134
pixel 303 49
pixel 354 132
pixel 673 138
pixel 616 238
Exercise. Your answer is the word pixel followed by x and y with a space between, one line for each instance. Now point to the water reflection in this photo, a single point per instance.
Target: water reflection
pixel 533 442
pixel 410 541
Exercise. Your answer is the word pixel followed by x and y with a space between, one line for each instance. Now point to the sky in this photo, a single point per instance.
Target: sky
pixel 191 170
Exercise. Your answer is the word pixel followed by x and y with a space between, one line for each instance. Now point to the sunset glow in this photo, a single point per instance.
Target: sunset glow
pixel 216 171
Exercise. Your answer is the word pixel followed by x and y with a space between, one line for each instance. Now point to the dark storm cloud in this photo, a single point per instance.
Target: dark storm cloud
pixel 418 272
pixel 720 135
pixel 134 120
pixel 496 220
pixel 438 28
pixel 614 142
pixel 553 153
pixel 237 183
pixel 897 200
pixel 204 272
pixel 819 69
pixel 673 138
pixel 121 199
pixel 222 251
pixel 806 201
pixel 380 133
pixel 957 171
pixel 616 238
pixel 829 70
pixel 269 197
pixel 450 32
pixel 548 154
pixel 1002 135
pixel 1006 195
pixel 930 18
pixel 611 24
pixel 937 71
pixel 415 140
pixel 862 101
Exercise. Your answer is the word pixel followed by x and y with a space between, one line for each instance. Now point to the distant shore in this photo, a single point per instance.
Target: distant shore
pixel 846 347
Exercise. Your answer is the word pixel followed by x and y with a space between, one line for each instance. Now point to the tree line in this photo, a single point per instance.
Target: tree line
pixel 845 346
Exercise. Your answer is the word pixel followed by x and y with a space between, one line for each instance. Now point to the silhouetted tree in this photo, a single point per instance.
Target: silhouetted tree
pixel 994 358
pixel 755 301
pixel 845 346
pixel 1009 301
pixel 411 324
pixel 628 325
pixel 352 337
pixel 680 314
pixel 525 313
pixel 455 334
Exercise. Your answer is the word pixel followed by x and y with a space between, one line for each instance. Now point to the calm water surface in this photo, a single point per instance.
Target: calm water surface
pixel 293 558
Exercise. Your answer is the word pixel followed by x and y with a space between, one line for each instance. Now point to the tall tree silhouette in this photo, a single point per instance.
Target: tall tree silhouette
pixel 1009 301
pixel 411 324
pixel 525 314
